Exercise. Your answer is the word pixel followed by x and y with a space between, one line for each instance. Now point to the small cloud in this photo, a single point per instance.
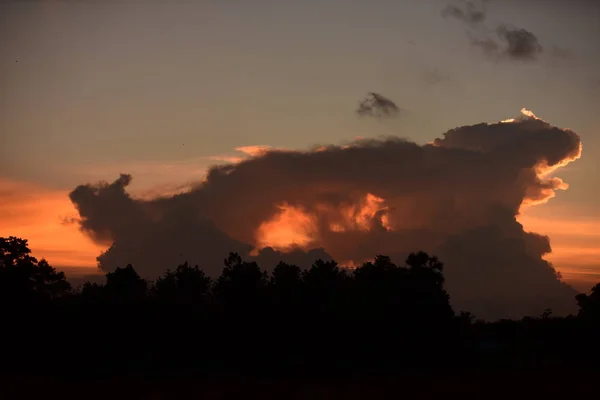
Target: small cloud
pixel 521 44
pixel 503 42
pixel 471 15
pixel 376 105
pixel 67 220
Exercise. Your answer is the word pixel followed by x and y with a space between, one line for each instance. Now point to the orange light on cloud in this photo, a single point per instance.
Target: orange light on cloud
pixel 543 171
pixel 575 243
pixel 247 151
pixel 365 213
pixel 545 194
pixel 360 216
pixel 254 150
pixel 38 215
pixel 293 227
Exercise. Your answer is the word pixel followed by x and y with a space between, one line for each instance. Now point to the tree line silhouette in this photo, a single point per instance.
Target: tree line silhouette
pixel 380 318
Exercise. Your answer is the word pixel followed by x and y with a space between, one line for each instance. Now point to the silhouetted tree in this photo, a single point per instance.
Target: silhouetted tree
pixel 466 317
pixel 185 285
pixel 286 288
pixel 589 305
pixel 286 276
pixel 429 299
pixel 14 251
pixel 241 285
pixel 379 318
pixel 379 289
pixel 325 277
pixel 125 285
pixel 23 276
pixel 92 291
pixel 547 313
pixel 427 268
pixel 30 291
pixel 328 286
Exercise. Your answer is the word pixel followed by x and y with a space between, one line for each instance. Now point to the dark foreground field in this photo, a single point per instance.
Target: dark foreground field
pixel 496 386
pixel 325 332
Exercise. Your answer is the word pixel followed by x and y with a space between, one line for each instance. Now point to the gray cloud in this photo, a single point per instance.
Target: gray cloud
pixel 471 15
pixel 162 233
pixel 503 42
pixel 376 105
pixel 457 198
pixel 521 44
pixel 489 46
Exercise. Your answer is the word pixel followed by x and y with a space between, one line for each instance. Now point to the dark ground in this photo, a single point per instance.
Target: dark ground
pixel 492 386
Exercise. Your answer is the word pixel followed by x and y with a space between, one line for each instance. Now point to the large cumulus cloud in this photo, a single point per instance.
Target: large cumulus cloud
pixel 457 197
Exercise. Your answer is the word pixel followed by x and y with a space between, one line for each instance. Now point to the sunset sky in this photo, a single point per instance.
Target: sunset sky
pixel 163 90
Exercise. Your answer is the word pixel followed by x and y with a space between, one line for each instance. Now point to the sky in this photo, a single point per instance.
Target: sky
pixel 164 90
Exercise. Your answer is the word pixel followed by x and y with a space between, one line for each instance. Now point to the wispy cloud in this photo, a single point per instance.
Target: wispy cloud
pixel 378 106
pixel 502 42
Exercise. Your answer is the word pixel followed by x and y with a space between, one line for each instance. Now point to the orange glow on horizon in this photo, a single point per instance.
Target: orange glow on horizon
pixel 575 243
pixel 38 215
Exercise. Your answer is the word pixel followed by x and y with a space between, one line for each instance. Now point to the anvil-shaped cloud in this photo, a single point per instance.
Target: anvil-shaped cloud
pixel 457 197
